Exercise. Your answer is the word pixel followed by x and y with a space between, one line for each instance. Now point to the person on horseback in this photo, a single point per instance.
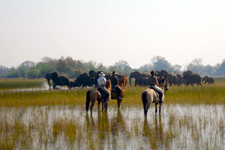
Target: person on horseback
pixel 101 84
pixel 154 84
pixel 115 82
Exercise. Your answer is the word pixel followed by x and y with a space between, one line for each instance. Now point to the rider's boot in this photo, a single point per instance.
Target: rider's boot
pixel 160 98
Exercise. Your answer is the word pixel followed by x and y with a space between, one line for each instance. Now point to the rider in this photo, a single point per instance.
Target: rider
pixel 101 84
pixel 154 84
pixel 115 82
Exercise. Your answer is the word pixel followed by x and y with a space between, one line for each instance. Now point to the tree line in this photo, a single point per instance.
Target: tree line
pixel 73 68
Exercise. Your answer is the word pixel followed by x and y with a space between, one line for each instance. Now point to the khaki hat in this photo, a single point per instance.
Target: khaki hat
pixel 101 74
pixel 114 72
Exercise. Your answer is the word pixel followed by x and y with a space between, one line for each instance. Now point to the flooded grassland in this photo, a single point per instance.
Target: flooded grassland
pixel 70 127
pixel 191 118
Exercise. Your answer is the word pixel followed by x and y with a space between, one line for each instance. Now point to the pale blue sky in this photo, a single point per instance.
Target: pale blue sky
pixel 107 31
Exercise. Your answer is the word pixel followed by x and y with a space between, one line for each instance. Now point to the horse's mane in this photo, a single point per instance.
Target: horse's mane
pixel 123 81
pixel 163 81
pixel 108 84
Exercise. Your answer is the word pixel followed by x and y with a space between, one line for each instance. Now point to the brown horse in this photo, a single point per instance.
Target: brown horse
pixel 122 85
pixel 150 96
pixel 94 95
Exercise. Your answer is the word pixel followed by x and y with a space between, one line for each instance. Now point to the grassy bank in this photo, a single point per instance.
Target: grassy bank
pixel 206 94
pixel 20 83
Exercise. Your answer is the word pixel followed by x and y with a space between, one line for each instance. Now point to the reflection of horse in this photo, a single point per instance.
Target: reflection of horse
pixel 150 96
pixel 122 85
pixel 94 94
pixel 118 125
pixel 153 133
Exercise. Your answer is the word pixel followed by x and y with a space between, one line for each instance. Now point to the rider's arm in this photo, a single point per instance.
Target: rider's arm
pixel 156 80
pixel 104 81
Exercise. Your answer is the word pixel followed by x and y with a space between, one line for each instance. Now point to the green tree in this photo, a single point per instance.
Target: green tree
pixel 146 68
pixel 22 71
pixel 196 65
pixel 101 67
pixel 3 71
pixel 62 66
pixel 44 68
pixel 160 63
pixel 33 73
pixel 220 71
pixel 13 73
pixel 123 67
pixel 92 65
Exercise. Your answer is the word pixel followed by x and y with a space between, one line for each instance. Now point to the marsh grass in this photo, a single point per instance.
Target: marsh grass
pixel 54 127
pixel 50 120
pixel 206 94
pixel 20 83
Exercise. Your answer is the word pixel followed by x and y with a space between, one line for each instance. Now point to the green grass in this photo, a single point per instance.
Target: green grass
pixel 20 83
pixel 206 94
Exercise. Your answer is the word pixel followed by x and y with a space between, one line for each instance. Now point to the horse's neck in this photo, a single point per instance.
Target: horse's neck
pixel 122 84
pixel 109 87
pixel 161 86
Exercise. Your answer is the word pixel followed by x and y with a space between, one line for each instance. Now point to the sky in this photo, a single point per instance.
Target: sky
pixel 107 31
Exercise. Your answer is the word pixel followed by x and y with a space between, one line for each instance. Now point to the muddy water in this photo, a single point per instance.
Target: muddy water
pixel 178 127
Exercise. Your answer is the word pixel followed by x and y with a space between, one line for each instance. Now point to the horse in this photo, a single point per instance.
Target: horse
pixel 122 85
pixel 95 95
pixel 150 96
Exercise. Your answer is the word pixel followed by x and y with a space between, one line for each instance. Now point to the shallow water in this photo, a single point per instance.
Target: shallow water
pixel 70 127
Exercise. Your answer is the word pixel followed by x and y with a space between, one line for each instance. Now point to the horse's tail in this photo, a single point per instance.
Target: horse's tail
pixel 144 99
pixel 145 102
pixel 88 99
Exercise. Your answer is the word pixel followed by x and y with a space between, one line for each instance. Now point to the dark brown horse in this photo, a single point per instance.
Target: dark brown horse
pixel 122 85
pixel 94 95
pixel 149 96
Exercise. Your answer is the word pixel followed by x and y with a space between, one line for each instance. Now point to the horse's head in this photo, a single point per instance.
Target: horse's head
pixel 123 81
pixel 164 83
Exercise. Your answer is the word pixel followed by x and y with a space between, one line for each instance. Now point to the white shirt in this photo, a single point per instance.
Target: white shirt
pixel 101 81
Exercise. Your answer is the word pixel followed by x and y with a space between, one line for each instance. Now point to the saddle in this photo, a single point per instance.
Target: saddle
pixel 115 88
pixel 103 94
pixel 157 93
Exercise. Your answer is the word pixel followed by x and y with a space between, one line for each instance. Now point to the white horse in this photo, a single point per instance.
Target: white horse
pixel 149 96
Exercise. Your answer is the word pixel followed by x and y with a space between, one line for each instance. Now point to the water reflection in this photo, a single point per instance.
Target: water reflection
pixel 70 127
pixel 154 134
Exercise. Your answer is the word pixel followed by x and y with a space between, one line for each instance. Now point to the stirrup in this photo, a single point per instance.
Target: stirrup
pixel 119 98
pixel 160 101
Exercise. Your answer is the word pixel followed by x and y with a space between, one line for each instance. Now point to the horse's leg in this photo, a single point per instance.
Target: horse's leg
pixel 106 106
pixel 160 105
pixel 99 102
pixel 103 105
pixel 156 108
pixel 119 103
pixel 146 109
pixel 92 104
